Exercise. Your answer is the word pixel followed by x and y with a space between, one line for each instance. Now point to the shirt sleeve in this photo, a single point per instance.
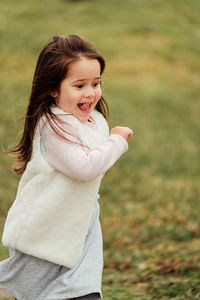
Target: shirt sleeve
pixel 74 161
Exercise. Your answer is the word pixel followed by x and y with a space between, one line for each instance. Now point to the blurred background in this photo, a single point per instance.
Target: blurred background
pixel 150 200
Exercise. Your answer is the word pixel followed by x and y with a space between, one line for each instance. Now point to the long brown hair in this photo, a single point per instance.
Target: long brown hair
pixel 51 68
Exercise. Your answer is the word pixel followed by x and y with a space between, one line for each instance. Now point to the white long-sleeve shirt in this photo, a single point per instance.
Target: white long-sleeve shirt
pixel 71 159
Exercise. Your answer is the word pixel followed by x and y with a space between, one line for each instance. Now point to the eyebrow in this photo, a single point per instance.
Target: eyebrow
pixel 84 79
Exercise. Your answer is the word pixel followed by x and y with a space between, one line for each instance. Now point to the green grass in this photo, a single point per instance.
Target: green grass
pixel 150 200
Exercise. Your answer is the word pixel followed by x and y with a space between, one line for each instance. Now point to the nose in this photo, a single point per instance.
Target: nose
pixel 89 92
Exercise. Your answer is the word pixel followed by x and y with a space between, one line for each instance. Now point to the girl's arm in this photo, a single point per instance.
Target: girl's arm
pixel 72 160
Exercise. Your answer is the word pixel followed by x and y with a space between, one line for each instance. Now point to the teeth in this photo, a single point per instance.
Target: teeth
pixel 85 103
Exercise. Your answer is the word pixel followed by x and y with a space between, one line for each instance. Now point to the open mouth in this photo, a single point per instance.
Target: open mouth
pixel 85 106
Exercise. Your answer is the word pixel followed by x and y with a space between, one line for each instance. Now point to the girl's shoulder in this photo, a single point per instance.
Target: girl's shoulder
pixel 62 114
pixel 100 122
pixel 71 123
pixel 96 116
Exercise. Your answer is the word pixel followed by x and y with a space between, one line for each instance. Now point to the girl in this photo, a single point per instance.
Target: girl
pixel 52 229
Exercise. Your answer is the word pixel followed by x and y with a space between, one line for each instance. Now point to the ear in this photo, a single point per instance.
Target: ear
pixel 54 94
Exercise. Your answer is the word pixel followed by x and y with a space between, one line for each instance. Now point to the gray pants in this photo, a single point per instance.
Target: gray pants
pixel 94 296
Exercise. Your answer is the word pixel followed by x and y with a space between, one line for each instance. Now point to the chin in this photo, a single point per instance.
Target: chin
pixel 83 119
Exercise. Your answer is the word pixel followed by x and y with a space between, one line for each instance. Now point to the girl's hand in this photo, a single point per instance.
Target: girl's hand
pixel 125 132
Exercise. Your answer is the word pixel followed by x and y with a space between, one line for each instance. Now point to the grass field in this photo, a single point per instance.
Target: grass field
pixel 150 200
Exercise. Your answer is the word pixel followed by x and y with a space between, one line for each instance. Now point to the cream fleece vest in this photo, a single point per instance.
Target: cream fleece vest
pixel 51 214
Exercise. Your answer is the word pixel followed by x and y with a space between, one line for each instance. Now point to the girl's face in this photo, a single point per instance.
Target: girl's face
pixel 80 91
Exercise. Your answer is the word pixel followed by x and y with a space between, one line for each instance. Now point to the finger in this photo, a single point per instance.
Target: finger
pixel 130 134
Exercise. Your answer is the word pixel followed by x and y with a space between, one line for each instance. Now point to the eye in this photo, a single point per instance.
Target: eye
pixel 96 84
pixel 79 86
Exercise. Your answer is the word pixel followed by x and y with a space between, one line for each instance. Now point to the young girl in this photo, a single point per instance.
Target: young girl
pixel 52 229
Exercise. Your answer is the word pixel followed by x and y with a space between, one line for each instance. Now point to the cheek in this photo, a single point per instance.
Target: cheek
pixel 99 93
pixel 70 96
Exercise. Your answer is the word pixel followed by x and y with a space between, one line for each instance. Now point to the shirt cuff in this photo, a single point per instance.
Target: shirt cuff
pixel 120 139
